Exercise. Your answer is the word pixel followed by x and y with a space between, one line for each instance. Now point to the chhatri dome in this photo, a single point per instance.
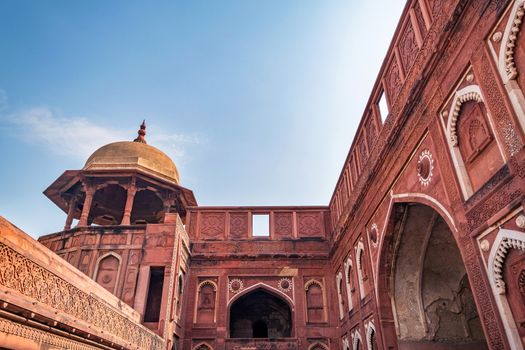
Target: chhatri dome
pixel 136 154
pixel 122 183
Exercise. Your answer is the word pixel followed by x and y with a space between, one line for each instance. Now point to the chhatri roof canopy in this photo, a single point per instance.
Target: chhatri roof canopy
pixel 119 160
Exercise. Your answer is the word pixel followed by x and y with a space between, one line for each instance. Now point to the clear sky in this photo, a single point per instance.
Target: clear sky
pixel 256 101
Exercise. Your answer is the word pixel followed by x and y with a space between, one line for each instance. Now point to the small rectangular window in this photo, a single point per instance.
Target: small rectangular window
pixel 383 107
pixel 261 225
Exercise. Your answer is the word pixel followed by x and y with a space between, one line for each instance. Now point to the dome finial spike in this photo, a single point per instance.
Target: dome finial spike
pixel 141 133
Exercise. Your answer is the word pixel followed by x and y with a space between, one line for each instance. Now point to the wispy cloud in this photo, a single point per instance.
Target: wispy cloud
pixel 4 103
pixel 78 137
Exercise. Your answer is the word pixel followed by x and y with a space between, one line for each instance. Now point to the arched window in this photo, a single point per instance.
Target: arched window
pixel 371 338
pixel 339 282
pixel 107 271
pixel 356 340
pixel 349 282
pixel 361 268
pixel 314 301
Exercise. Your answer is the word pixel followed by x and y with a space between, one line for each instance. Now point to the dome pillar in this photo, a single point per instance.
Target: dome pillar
pixel 90 191
pixel 129 204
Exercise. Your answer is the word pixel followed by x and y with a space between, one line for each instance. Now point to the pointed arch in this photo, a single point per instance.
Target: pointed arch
pixel 100 264
pixel 349 281
pixel 339 285
pixel 356 340
pixel 504 242
pixel 370 334
pixel 361 275
pixel 202 346
pixel 266 287
pixel 318 346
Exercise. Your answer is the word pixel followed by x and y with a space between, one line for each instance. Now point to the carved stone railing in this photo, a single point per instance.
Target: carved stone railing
pixel 35 279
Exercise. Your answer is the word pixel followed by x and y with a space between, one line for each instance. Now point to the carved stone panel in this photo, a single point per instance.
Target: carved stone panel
pixel 283 225
pixel 212 225
pixel 238 225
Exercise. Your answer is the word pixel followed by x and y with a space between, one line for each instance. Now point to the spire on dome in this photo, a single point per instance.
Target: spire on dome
pixel 142 132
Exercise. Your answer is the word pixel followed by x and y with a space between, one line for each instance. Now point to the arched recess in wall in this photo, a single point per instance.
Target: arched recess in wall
pixel 107 271
pixel 318 346
pixel 202 346
pixel 107 207
pixel 260 312
pixel 506 268
pixel 315 301
pixel 513 40
pixel 205 310
pixel 356 340
pixel 422 276
pixel 339 285
pixel 349 282
pixel 471 138
pixel 180 291
pixel 362 275
pixel 346 343
pixel 371 336
pixel 147 207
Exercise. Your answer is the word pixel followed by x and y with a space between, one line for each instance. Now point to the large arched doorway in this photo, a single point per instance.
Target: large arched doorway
pixel 260 314
pixel 423 278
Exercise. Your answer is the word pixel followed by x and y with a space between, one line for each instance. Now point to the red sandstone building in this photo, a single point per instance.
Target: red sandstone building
pixel 422 245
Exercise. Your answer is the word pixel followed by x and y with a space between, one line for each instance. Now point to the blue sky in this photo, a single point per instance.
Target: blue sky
pixel 256 101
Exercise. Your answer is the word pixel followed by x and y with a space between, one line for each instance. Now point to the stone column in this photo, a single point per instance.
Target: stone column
pixel 129 205
pixel 90 191
pixel 70 212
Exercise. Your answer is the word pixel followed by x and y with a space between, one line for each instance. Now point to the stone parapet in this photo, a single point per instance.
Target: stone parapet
pixel 44 292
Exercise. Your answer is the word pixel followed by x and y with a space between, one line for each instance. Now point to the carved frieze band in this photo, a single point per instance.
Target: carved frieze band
pixel 41 337
pixel 32 280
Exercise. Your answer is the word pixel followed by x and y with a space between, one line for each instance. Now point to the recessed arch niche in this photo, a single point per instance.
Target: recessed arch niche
pixel 260 314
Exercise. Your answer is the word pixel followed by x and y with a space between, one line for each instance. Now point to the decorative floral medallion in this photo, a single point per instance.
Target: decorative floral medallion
pixel 235 285
pixel 424 168
pixel 285 284
pixel 374 233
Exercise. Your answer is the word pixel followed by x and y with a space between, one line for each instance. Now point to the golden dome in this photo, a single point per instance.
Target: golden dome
pixel 126 155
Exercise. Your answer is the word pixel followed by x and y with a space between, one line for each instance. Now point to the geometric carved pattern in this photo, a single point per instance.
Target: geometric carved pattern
pixel 499 260
pixel 283 224
pixel 408 47
pixel 27 278
pixel 309 224
pixel 212 224
pixel 238 225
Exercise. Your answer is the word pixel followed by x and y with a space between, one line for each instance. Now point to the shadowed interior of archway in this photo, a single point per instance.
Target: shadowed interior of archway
pixel 433 305
pixel 260 314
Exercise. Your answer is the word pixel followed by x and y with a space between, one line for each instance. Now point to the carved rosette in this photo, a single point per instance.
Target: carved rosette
pixel 425 166
pixel 285 285
pixel 235 285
